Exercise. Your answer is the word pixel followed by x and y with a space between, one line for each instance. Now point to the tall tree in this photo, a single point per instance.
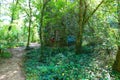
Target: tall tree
pixel 116 65
pixel 42 10
pixel 29 26
pixel 13 12
pixel 80 31
pixel 83 19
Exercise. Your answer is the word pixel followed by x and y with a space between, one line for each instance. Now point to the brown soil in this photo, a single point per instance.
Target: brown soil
pixel 11 69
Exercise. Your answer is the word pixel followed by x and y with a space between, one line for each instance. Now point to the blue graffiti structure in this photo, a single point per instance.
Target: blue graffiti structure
pixel 71 39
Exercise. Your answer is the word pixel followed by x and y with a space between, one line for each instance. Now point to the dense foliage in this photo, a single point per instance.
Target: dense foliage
pixel 79 39
pixel 64 64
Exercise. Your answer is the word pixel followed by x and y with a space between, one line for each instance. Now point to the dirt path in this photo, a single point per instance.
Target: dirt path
pixel 10 69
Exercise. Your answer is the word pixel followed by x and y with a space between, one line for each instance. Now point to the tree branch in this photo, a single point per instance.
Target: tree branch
pixel 86 20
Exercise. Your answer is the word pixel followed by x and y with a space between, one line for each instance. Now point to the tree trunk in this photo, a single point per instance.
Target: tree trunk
pixel 41 24
pixel 13 14
pixel 82 21
pixel 29 29
pixel 116 65
pixel 78 45
pixel 0 51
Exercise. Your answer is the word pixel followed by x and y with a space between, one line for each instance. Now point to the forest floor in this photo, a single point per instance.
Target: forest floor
pixel 64 64
pixel 56 64
pixel 11 69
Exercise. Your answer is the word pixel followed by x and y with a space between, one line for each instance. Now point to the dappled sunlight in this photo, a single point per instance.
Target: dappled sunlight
pixel 59 40
pixel 8 74
pixel 34 45
pixel 10 69
pixel 62 63
pixel 2 77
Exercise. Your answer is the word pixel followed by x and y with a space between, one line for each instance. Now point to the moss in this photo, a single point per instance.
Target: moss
pixel 116 65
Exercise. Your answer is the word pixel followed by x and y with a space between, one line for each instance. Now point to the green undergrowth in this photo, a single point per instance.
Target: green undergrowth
pixel 5 55
pixel 64 64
